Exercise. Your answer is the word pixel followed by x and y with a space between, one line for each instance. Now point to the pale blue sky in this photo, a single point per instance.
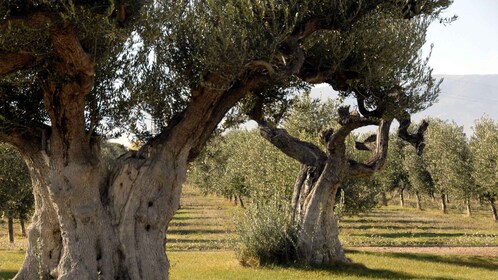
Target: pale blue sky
pixel 470 44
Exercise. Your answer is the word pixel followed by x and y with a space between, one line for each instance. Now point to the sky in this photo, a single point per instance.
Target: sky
pixel 469 45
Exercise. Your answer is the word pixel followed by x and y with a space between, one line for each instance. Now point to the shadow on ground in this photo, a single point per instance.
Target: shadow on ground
pixel 465 261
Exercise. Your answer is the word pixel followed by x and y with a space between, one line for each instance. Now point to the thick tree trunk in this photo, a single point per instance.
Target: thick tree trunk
pixel 443 204
pixel 313 211
pixel 44 235
pixel 10 223
pixel 318 233
pixel 22 226
pixel 419 203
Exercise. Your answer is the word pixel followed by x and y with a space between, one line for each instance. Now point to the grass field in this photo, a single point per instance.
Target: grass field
pixel 201 234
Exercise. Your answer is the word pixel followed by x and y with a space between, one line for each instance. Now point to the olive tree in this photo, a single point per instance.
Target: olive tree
pixel 389 84
pixel 74 72
pixel 485 160
pixel 394 176
pixel 16 199
pixel 448 161
pixel 419 177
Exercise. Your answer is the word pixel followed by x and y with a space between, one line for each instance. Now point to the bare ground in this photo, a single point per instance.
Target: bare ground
pixel 467 251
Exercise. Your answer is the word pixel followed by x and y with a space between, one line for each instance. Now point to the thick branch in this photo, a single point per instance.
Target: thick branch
pixel 14 61
pixel 348 122
pixel 189 130
pixel 28 141
pixel 378 158
pixel 74 59
pixel 35 19
pixel 416 139
pixel 368 144
pixel 304 152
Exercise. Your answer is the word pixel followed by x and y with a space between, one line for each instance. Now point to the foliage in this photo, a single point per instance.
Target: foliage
pixel 110 152
pixel 266 233
pixel 16 199
pixel 485 156
pixel 241 163
pixel 448 159
pixel 419 177
pixel 100 34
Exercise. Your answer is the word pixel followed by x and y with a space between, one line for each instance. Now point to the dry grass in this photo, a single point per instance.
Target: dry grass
pixel 203 223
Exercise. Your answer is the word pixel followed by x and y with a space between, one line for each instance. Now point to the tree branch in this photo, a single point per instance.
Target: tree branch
pixel 416 139
pixel 349 122
pixel 14 61
pixel 379 154
pixel 368 144
pixel 304 152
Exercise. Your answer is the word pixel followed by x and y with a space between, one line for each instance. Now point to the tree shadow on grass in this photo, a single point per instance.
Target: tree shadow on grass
pixel 397 221
pixel 465 261
pixel 394 227
pixel 359 270
pixel 411 234
pixel 196 231
pixel 7 274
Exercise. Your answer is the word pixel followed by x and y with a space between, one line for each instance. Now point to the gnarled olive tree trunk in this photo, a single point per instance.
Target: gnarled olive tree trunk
pixel 92 223
pixel 318 181
pixel 44 234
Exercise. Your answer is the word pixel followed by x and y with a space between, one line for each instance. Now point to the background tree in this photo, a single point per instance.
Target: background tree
pixel 394 177
pixel 16 199
pixel 448 161
pixel 88 68
pixel 485 160
pixel 419 177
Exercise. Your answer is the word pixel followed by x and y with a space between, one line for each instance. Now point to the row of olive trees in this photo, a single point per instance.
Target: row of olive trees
pixel 239 164
pixel 451 165
pixel 242 165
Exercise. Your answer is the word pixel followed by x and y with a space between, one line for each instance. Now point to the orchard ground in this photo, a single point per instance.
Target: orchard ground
pixel 388 243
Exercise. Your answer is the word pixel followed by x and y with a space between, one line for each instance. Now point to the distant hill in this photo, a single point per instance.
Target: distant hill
pixel 463 99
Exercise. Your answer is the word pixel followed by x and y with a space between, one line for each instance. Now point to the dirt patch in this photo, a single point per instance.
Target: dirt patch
pixel 467 251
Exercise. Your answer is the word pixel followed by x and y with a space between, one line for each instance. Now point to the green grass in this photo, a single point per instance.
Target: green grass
pixel 10 262
pixel 223 265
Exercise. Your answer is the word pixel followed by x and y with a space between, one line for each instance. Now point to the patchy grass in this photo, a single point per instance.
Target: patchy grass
pixel 200 236
pixel 10 262
pixel 223 265
pixel 404 226
pixel 202 223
